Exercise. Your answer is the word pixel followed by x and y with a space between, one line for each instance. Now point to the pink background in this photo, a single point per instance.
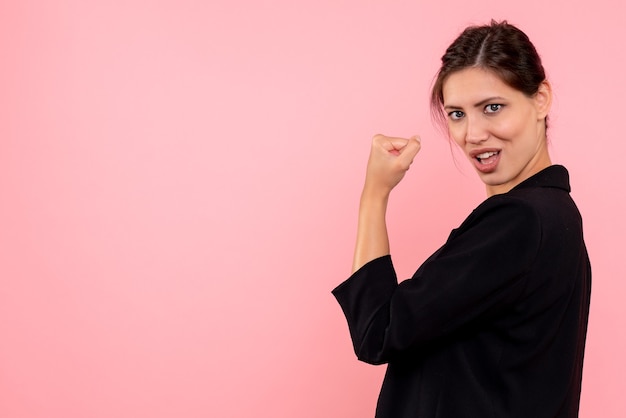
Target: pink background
pixel 179 183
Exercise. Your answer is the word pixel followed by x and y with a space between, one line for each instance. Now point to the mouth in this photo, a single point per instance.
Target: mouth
pixel 487 157
pixel 486 160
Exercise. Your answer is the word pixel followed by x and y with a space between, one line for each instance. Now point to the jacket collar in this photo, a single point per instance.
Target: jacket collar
pixel 555 176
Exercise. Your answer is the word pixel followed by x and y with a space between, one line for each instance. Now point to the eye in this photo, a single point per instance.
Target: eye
pixel 456 115
pixel 493 108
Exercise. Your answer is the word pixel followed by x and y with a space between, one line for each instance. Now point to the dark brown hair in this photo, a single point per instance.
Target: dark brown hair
pixel 500 48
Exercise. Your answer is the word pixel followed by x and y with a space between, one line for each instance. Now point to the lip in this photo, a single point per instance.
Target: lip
pixel 485 168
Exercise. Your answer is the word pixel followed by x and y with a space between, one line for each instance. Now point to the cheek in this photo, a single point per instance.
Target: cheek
pixel 456 133
pixel 508 129
pixel 504 130
pixel 514 126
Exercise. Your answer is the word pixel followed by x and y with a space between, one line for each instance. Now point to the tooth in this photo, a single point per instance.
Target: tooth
pixel 486 154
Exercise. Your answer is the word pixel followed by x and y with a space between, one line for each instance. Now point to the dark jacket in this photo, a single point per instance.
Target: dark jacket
pixel 493 324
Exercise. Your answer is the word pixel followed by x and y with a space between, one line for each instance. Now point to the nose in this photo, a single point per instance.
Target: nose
pixel 476 130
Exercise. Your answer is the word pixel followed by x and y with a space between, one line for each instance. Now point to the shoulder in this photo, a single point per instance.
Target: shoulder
pixel 504 211
pixel 503 232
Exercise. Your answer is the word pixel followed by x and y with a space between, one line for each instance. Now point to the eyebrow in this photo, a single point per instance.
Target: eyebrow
pixel 479 104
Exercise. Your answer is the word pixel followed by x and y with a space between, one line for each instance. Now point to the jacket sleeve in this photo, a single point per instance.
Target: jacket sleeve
pixel 480 270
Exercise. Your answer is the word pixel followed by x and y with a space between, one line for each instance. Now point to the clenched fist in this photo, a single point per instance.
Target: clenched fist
pixel 389 160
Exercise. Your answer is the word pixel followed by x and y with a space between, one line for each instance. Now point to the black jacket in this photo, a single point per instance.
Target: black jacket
pixel 493 324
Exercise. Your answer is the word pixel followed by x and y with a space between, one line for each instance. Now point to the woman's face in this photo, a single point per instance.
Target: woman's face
pixel 500 130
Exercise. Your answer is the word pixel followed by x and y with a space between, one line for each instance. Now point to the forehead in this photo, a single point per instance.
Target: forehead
pixel 472 85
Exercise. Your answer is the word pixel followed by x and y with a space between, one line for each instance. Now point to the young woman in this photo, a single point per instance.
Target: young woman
pixel 493 324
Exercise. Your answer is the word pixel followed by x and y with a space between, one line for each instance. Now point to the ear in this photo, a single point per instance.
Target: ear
pixel 543 99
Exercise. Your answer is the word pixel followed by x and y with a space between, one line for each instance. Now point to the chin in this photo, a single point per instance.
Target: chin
pixel 494 179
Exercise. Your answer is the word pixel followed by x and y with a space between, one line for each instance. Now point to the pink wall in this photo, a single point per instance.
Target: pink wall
pixel 179 183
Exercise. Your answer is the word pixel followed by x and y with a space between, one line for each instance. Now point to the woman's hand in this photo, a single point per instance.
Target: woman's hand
pixel 389 160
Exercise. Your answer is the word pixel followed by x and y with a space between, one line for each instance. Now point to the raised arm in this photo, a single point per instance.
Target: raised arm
pixel 389 160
